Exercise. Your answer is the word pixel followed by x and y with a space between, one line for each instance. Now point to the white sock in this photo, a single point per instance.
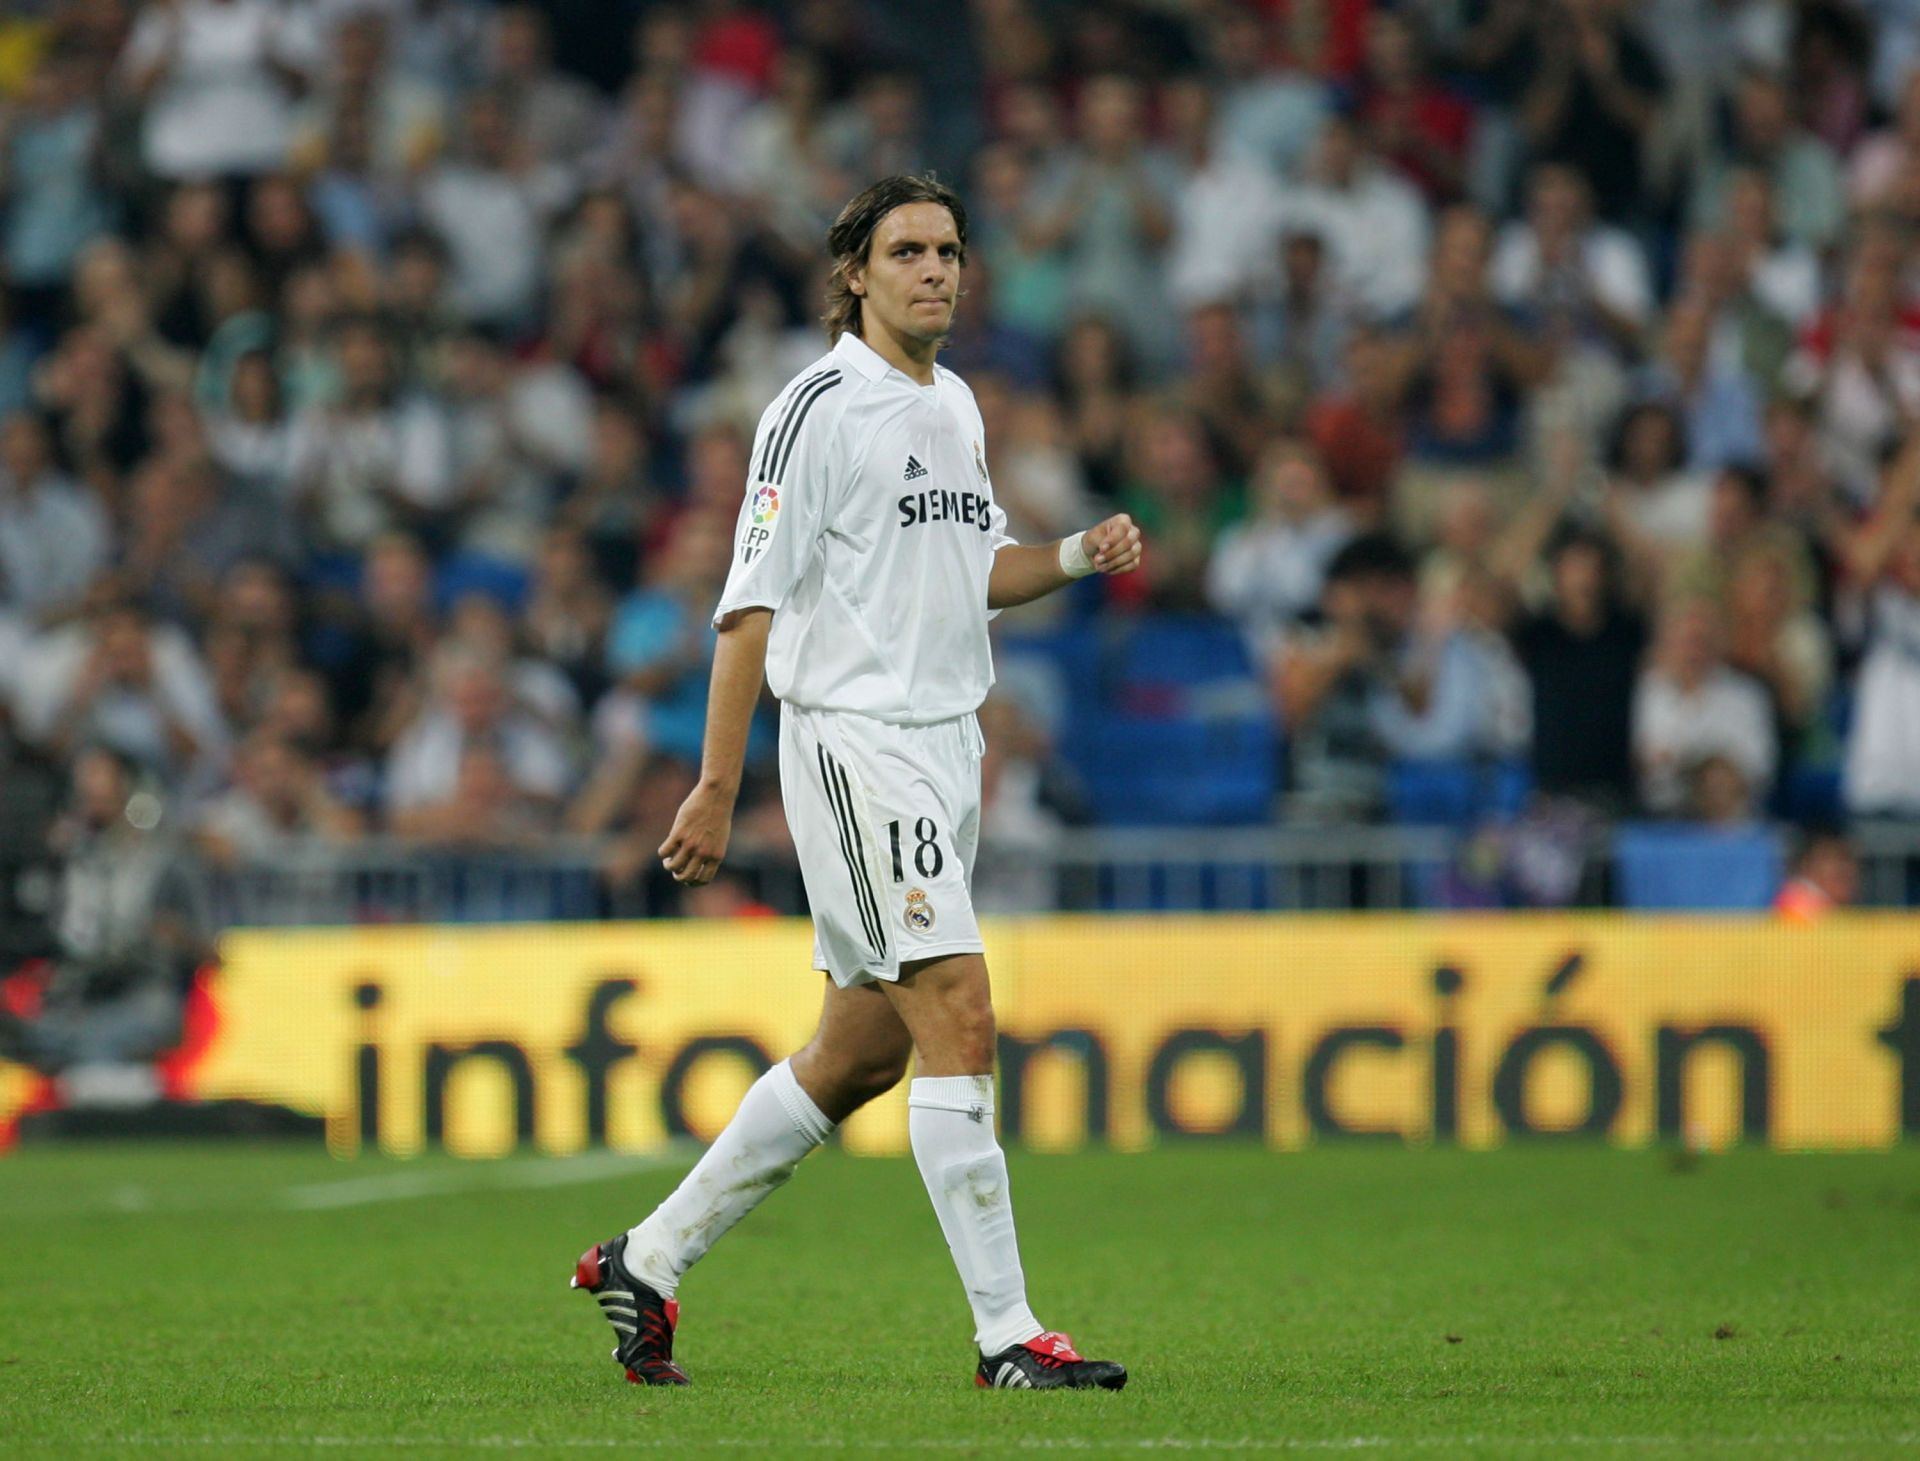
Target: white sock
pixel 950 1121
pixel 777 1124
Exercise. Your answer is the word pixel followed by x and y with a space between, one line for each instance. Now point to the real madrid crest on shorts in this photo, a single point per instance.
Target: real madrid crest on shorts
pixel 919 911
pixel 980 461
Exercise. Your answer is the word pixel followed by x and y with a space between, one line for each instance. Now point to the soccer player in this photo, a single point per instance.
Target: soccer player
pixel 868 558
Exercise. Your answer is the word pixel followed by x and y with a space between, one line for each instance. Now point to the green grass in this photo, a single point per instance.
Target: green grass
pixel 1533 1302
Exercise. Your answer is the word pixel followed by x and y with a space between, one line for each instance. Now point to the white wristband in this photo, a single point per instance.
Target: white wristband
pixel 1073 556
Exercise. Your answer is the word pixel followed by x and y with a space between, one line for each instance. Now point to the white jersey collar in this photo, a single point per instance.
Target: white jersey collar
pixel 869 362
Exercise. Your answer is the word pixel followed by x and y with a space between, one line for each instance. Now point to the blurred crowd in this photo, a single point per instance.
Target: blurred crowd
pixel 1529 380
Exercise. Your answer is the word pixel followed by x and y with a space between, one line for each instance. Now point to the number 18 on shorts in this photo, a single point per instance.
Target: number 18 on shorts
pixel 886 819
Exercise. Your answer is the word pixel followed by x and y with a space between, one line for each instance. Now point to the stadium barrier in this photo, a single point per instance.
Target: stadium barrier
pixel 1290 1030
pixel 1098 869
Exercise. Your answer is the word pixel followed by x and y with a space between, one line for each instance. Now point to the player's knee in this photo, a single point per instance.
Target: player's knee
pixel 971 1032
pixel 872 1077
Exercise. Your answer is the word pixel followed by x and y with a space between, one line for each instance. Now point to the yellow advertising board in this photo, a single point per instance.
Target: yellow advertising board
pixel 1469 1030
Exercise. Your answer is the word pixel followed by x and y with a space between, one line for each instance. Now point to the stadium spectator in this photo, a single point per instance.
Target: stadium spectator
pixel 375 458
pixel 218 81
pixel 52 169
pixel 315 316
pixel 568 610
pixel 1465 365
pixel 1880 168
pixel 1689 705
pixel 1358 427
pixel 512 433
pixel 279 798
pixel 1782 272
pixel 1180 494
pixel 558 114
pixel 53 535
pixel 1095 374
pixel 1269 106
pixel 1775 637
pixel 1268 570
pixel 1109 204
pixel 491 202
pixel 1718 402
pixel 1883 753
pixel 660 643
pixel 132 927
pixel 252 638
pixel 1591 97
pixel 479 767
pixel 392 120
pixel 1298 323
pixel 1861 365
pixel 1374 224
pixel 1825 875
pixel 1582 656
pixel 1586 281
pixel 1415 124
pixel 117 679
pixel 1226 211
pixel 1374 686
pixel 1804 174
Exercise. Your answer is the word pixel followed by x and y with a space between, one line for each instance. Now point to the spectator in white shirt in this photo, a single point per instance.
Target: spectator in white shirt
pixel 492 205
pixel 120 680
pixel 1689 706
pixel 1226 214
pixel 374 459
pixel 219 79
pixel 1373 220
pixel 1782 273
pixel 1564 267
pixel 1267 570
pixel 476 766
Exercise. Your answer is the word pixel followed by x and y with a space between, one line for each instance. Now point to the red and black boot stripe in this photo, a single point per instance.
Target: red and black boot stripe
pixel 643 1320
pixel 1049 1362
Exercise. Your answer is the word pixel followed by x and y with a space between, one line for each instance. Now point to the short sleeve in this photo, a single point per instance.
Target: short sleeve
pixel 790 476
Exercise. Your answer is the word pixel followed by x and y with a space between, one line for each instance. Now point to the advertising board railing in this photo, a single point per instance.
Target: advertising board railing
pixel 1283 1029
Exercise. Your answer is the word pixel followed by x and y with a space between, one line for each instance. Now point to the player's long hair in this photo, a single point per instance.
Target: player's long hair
pixel 852 236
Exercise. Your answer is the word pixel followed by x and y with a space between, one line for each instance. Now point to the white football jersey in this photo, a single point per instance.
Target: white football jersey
pixel 869 528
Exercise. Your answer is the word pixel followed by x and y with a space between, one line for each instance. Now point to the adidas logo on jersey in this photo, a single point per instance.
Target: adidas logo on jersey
pixel 914 470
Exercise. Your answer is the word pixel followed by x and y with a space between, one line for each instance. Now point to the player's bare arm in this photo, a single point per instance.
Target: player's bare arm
pixel 1024 573
pixel 697 844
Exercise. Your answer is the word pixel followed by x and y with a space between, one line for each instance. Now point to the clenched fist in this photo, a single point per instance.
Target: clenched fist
pixel 1113 546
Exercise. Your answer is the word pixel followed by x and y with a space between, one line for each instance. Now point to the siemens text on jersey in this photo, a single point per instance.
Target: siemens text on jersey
pixel 940 506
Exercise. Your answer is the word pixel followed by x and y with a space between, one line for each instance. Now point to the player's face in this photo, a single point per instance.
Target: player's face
pixel 912 279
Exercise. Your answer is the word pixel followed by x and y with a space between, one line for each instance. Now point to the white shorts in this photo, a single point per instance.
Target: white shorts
pixel 886 819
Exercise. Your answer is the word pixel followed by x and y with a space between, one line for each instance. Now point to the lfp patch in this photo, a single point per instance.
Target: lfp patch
pixel 762 508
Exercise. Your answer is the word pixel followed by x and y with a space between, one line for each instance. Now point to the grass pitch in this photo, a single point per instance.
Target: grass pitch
pixel 1529 1302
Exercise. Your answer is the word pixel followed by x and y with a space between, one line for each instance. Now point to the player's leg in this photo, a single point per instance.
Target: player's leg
pixel 946 1005
pixel 858 1052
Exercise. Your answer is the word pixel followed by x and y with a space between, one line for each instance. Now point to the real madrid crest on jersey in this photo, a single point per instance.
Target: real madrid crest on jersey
pixel 919 911
pixel 980 461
